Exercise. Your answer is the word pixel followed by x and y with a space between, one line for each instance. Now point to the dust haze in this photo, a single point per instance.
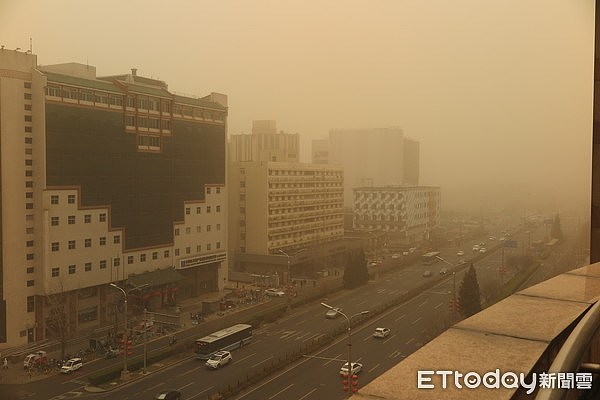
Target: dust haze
pixel 498 93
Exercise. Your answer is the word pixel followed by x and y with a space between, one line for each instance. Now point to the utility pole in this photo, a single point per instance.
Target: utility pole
pixel 145 339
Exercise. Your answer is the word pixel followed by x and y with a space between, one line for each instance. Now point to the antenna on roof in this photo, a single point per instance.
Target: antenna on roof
pixel 30 44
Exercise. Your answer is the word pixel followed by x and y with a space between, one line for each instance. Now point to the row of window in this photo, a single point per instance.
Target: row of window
pixel 188 229
pixel 188 250
pixel 72 244
pixel 71 219
pixel 188 210
pixel 54 199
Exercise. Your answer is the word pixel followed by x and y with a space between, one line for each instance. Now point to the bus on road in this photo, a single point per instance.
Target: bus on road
pixel 430 258
pixel 226 339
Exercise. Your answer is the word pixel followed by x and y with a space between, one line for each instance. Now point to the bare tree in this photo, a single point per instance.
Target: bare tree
pixel 57 317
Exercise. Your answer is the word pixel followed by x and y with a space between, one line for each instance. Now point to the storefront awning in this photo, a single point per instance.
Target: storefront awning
pixel 155 278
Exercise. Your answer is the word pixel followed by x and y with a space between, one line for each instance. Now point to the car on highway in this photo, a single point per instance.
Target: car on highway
pixel 461 262
pixel 443 271
pixel 460 253
pixel 71 366
pixel 372 263
pixel 482 250
pixel 381 332
pixel 476 247
pixel 492 238
pixel 218 359
pixel 171 394
pixel 427 274
pixel 502 239
pixel 274 293
pixel 333 313
pixel 356 368
pixel 405 253
pixel 395 256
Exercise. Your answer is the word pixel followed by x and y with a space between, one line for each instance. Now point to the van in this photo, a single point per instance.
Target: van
pixel 71 366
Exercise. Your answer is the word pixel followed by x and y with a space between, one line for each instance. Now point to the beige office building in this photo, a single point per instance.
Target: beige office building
pixel 265 144
pixel 279 209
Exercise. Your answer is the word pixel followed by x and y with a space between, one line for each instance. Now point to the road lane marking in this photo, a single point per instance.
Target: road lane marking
pixel 438 306
pixel 301 322
pixel 308 394
pixel 416 320
pixel 282 390
pixel 411 340
pixel 248 356
pixel 388 339
pixel 333 359
pixel 367 338
pixel 312 337
pixel 423 303
pixel 362 302
pixel 287 334
pixel 400 317
pixel 191 370
pixel 191 383
pixel 372 369
pixel 155 386
pixel 257 364
pixel 199 393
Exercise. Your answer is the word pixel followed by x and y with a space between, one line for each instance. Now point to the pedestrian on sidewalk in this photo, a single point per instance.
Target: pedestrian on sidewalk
pixel 5 363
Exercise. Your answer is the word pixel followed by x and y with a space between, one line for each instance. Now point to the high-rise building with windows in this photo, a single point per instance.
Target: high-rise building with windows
pixel 265 144
pixel 123 181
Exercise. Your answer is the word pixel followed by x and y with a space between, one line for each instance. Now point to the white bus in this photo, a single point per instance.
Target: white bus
pixel 226 339
pixel 430 258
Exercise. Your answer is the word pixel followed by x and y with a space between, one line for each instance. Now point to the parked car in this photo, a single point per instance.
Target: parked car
pixel 168 395
pixel 476 247
pixel 460 253
pixel 381 332
pixel 71 366
pixel 356 368
pixel 333 313
pixel 395 256
pixel 405 253
pixel 427 274
pixel 372 263
pixel 443 271
pixel 482 250
pixel 218 359
pixel 33 359
pixel 274 293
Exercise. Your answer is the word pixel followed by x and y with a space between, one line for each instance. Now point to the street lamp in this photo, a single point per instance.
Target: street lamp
pixel 454 308
pixel 289 266
pixel 348 319
pixel 125 372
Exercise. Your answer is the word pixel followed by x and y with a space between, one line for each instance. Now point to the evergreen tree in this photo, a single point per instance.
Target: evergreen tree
pixel 556 231
pixel 468 293
pixel 356 272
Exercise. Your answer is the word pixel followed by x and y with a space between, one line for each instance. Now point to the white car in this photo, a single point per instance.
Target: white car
pixel 427 274
pixel 274 293
pixel 381 332
pixel 482 250
pixel 476 248
pixel 218 359
pixel 395 256
pixel 71 366
pixel 356 368
pixel 460 253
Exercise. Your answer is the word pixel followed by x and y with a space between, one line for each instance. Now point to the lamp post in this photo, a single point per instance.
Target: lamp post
pixel 454 308
pixel 348 319
pixel 289 263
pixel 125 372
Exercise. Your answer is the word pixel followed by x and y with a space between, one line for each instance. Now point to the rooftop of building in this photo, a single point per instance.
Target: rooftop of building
pixel 388 188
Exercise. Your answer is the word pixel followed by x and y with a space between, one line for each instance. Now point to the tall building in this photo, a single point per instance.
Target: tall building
pixel 123 181
pixel 279 209
pixel 320 151
pixel 374 157
pixel 407 214
pixel 265 144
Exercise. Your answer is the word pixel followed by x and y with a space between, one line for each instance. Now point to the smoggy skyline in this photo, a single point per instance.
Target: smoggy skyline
pixel 499 94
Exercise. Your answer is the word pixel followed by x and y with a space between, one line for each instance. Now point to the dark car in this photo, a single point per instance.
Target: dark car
pixel 168 395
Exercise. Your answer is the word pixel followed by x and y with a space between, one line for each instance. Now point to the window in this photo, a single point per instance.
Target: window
pixel 53 91
pixel 198 229
pixel 166 254
pixel 166 124
pixel 218 190
pixel 218 245
pixel 86 95
pixel 176 252
pixel 87 266
pixel 142 122
pixel 218 227
pixel 115 100
pixel 29 230
pixel 208 247
pixel 198 210
pixel 103 241
pixel 102 217
pixel 155 255
pixel 29 243
pixel 187 211
pixel 116 262
pixel 207 228
pixel 131 101
pixel 27 107
pixel 88 242
pixel 218 208
pixel 29 163
pixel 143 103
pixel 30 303
pixel 55 246
pixel 188 250
pixel 142 257
pixel 87 218
pixel 55 272
pixel 153 123
pixel 87 314
pixel 176 231
pixel 188 230
pixel 117 239
pixel 207 190
pixel 71 245
pixel 129 259
pixel 30 256
pixel 30 283
pixel 198 249
pixel 28 129
pixel 27 96
pixel 166 107
pixel 207 209
pixel 71 219
pixel 27 85
pixel 28 140
pixel 129 120
pixel 71 199
pixel 102 264
pixel 30 270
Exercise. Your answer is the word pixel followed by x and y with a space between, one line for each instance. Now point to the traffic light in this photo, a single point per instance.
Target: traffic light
pixel 454 305
pixel 126 347
pixel 354 383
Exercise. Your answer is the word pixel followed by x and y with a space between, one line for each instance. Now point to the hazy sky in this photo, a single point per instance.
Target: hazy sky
pixel 498 92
